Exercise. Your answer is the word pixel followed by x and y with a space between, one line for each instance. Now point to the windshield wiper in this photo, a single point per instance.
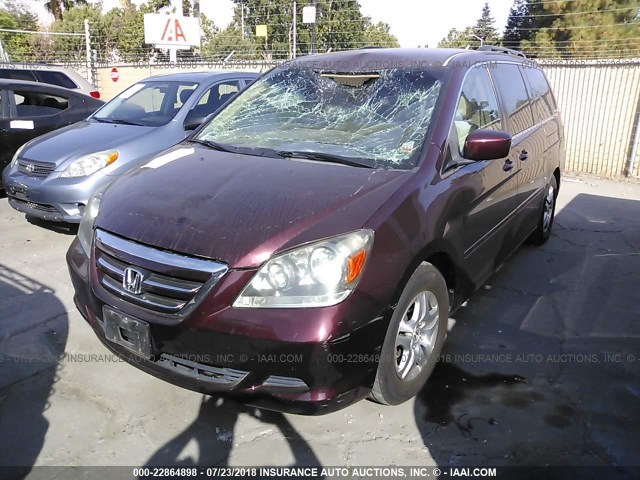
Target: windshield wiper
pixel 122 121
pixel 327 157
pixel 119 121
pixel 212 145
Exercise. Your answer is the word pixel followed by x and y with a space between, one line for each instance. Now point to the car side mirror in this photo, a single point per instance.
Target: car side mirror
pixel 487 145
pixel 193 120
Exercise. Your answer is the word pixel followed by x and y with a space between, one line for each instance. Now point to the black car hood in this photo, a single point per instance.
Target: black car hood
pixel 240 209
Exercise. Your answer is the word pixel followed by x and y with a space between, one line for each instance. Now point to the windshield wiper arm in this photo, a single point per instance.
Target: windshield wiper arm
pixel 212 145
pixel 119 121
pixel 122 121
pixel 327 157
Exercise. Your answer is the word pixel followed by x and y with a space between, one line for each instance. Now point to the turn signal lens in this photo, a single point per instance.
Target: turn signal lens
pixel 354 265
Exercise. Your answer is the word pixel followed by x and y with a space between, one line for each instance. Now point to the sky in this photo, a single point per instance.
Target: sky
pixel 414 22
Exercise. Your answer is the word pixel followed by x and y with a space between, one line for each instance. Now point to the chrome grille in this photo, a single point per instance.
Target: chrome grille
pixel 170 283
pixel 35 169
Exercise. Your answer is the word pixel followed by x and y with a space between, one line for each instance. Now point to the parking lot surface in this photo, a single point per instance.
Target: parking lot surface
pixel 542 367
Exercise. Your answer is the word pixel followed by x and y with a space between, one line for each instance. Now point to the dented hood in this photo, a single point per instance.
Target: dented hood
pixel 240 209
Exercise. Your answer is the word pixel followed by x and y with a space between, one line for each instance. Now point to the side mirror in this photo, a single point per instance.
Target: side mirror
pixel 193 120
pixel 487 145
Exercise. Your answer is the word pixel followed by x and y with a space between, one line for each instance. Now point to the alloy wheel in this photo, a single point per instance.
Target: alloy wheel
pixel 417 334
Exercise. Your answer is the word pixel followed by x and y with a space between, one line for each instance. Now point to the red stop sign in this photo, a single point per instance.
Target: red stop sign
pixel 114 74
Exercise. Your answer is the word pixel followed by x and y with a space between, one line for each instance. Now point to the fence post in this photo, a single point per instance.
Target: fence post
pixel 87 41
pixel 631 163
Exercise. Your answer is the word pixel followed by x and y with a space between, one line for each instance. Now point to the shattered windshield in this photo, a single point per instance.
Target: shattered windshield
pixel 381 117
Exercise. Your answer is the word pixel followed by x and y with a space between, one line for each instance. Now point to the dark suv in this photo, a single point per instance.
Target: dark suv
pixel 305 248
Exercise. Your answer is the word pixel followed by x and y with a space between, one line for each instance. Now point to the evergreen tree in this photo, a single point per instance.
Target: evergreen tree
pixel 595 28
pixel 485 27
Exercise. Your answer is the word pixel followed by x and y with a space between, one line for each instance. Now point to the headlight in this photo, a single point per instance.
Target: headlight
pixel 14 160
pixel 320 274
pixel 85 230
pixel 90 164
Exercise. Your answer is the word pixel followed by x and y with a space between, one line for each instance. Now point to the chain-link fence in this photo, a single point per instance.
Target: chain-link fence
pixel 39 48
pixel 600 105
pixel 599 98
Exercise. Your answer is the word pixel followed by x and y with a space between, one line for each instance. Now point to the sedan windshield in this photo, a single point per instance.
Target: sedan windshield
pixel 379 117
pixel 150 104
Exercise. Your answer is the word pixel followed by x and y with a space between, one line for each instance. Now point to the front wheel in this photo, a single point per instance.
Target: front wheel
pixel 543 231
pixel 414 338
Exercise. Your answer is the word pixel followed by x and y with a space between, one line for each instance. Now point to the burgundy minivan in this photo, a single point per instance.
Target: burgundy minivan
pixel 305 248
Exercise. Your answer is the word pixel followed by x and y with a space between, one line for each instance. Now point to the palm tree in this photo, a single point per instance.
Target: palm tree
pixel 55 7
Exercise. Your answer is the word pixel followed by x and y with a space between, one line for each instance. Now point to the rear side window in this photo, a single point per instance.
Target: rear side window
pixel 543 102
pixel 55 78
pixel 477 106
pixel 13 74
pixel 514 96
pixel 217 95
pixel 35 104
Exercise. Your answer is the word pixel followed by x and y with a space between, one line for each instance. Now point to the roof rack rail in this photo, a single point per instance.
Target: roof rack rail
pixel 497 49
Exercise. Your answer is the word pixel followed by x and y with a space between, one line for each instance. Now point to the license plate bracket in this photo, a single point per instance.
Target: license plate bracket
pixel 129 332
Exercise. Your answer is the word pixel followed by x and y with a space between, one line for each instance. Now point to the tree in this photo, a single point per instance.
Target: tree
pixel 340 25
pixel 186 8
pixel 379 35
pixel 55 7
pixel 72 49
pixel 595 28
pixel 458 39
pixel 17 16
pixel 525 17
pixel 25 17
pixel 221 45
pixel 485 27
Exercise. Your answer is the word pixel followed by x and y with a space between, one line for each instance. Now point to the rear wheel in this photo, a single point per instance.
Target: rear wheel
pixel 414 338
pixel 543 230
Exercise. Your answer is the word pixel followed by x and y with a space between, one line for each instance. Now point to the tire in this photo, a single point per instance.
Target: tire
pixel 403 371
pixel 543 231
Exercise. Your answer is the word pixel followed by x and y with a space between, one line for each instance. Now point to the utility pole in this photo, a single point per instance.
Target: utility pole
pixel 242 18
pixel 313 29
pixel 295 33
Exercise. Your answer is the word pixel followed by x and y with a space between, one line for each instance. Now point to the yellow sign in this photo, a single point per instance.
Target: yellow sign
pixel 261 30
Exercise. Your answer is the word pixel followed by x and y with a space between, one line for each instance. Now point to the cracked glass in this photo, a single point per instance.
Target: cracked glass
pixel 379 117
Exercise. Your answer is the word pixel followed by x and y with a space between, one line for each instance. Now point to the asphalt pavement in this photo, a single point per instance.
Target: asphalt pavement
pixel 542 367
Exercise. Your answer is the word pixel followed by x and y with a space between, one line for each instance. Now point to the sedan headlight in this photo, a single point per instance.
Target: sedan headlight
pixel 320 274
pixel 14 160
pixel 85 230
pixel 90 164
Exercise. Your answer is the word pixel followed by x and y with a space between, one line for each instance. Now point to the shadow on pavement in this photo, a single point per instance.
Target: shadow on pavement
pixel 543 365
pixel 213 431
pixel 33 335
pixel 57 227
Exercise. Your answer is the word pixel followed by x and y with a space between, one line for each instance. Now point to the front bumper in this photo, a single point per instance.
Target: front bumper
pixel 51 198
pixel 286 372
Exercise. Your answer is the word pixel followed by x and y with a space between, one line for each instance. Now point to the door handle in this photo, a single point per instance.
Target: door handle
pixel 524 155
pixel 508 165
